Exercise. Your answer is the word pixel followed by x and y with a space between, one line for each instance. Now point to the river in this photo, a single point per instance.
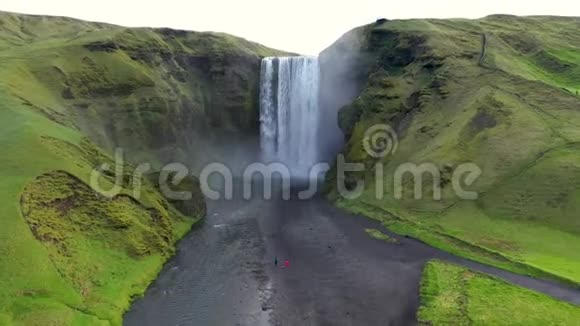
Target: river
pixel 224 273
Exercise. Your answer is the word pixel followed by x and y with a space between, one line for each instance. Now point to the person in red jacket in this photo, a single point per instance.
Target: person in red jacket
pixel 286 263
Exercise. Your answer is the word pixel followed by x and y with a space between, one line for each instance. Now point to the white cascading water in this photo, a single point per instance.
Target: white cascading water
pixel 289 112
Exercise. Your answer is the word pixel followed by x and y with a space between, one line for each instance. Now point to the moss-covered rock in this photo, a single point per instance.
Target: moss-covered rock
pixel 193 204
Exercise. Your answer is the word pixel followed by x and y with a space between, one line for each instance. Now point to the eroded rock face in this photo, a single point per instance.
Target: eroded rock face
pixel 369 57
pixel 160 90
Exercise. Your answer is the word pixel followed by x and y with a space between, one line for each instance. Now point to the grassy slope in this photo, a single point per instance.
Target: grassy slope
pixel 454 295
pixel 516 116
pixel 70 256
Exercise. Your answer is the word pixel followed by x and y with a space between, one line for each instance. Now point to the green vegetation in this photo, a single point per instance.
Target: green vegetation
pixel 101 247
pixel 512 112
pixel 71 256
pixel 455 295
pixel 377 234
pixel 70 92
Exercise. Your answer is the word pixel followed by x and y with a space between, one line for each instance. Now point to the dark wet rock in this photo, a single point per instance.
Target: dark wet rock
pixel 67 94
pixel 102 46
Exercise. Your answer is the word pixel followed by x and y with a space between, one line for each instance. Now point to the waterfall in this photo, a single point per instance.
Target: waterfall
pixel 289 114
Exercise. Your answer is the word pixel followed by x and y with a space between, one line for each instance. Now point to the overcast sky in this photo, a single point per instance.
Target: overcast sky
pixel 303 26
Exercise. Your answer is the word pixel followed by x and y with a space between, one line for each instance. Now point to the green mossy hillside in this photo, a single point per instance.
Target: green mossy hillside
pixel 70 93
pixel 95 243
pixel 451 294
pixel 500 92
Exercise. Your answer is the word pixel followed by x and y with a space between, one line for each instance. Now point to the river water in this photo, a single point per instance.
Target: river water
pixel 224 273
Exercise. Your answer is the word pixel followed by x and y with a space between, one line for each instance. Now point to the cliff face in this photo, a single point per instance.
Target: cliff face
pixel 499 93
pixel 140 89
pixel 70 93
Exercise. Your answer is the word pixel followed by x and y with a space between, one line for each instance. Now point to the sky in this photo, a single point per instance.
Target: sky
pixel 301 26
